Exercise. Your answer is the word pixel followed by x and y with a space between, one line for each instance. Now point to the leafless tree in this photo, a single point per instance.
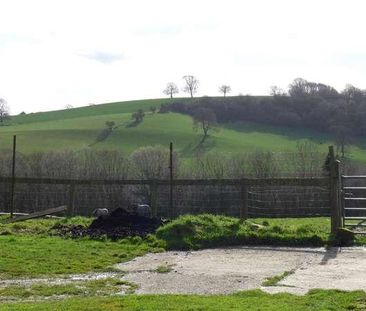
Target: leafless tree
pixel 171 89
pixel 224 89
pixel 4 111
pixel 191 86
pixel 204 119
pixel 277 91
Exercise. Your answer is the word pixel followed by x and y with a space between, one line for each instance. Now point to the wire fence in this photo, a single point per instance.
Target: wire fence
pixel 282 197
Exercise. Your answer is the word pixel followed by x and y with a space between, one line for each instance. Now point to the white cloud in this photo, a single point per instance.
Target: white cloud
pixel 54 53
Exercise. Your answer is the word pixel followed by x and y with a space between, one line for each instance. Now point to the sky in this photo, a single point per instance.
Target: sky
pixel 57 53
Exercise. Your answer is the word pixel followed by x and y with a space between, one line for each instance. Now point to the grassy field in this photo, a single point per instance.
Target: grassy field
pixel 316 300
pixel 78 128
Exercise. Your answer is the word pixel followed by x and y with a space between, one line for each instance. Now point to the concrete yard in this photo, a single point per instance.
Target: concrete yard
pixel 216 271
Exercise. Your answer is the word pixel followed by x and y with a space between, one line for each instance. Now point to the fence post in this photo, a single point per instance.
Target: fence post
pixel 154 198
pixel 13 178
pixel 171 204
pixel 71 206
pixel 334 177
pixel 244 199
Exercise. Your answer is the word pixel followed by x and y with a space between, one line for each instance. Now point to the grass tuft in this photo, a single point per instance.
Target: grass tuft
pixel 274 280
pixel 163 269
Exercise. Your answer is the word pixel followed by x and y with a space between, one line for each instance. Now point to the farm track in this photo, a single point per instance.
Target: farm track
pixel 224 271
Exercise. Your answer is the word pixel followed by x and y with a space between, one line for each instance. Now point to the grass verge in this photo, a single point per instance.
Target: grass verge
pixel 203 231
pixel 250 300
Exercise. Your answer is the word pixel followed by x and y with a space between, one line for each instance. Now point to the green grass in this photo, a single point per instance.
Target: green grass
pixel 35 256
pixel 163 269
pixel 40 226
pixel 77 128
pixel 79 133
pixel 203 231
pixel 273 281
pixel 95 110
pixel 316 300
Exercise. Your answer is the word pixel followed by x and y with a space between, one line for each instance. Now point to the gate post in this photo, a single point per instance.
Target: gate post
pixel 335 191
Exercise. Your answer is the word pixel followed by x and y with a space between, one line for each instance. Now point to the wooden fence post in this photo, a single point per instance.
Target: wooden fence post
pixel 244 200
pixel 334 178
pixel 12 196
pixel 171 198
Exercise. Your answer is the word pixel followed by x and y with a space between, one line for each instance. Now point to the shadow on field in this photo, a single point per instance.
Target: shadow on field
pixel 291 133
pixel 199 146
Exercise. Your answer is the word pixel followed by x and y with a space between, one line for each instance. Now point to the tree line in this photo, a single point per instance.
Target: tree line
pixel 191 84
pixel 305 104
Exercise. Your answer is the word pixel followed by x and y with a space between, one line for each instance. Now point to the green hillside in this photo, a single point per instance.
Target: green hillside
pixel 79 127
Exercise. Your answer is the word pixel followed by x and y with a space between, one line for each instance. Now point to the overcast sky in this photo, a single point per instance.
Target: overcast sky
pixel 58 53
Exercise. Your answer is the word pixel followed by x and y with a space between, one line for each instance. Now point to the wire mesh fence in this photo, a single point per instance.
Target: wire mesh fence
pixel 300 197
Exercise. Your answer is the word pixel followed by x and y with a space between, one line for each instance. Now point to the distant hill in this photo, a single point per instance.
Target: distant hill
pixel 79 128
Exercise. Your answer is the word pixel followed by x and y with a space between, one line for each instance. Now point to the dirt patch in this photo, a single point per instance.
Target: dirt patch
pixel 119 224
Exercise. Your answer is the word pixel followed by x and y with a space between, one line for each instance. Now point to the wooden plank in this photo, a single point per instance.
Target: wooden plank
pixel 354 177
pixel 355 199
pixel 354 188
pixel 37 214
pixel 355 218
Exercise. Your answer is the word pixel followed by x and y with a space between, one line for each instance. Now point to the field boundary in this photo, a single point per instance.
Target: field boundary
pixel 245 198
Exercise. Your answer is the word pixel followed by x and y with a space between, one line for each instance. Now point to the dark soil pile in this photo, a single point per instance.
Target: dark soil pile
pixel 119 224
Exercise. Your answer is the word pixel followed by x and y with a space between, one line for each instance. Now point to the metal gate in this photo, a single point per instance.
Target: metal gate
pixel 354 202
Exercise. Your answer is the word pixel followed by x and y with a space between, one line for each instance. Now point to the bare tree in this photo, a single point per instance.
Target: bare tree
pixel 277 91
pixel 4 111
pixel 192 84
pixel 204 119
pixel 224 89
pixel 171 89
